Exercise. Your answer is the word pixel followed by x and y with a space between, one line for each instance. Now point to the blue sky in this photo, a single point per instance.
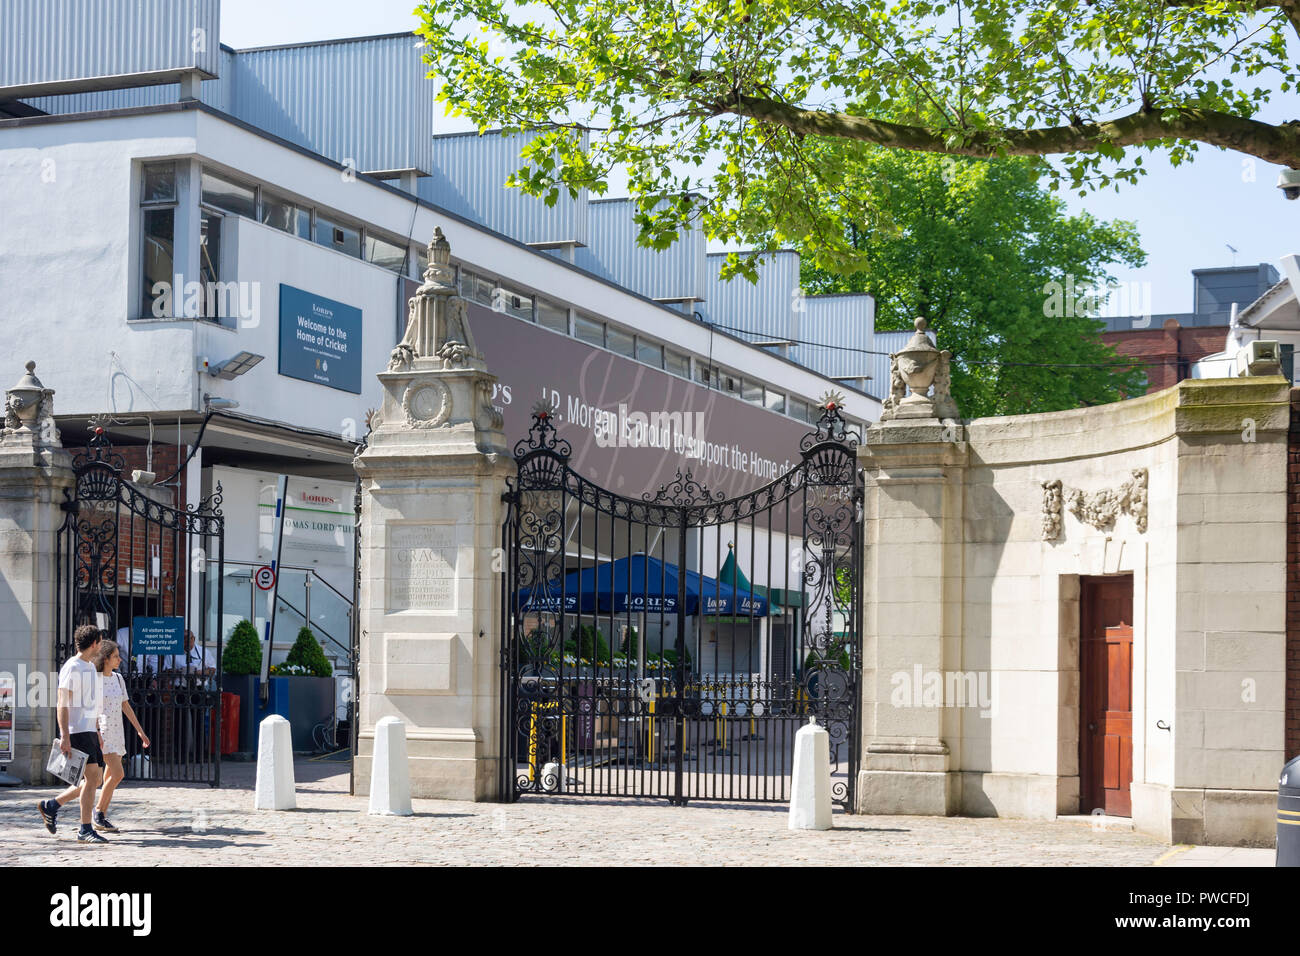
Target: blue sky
pixel 1186 216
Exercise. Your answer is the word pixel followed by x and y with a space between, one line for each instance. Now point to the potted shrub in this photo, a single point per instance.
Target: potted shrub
pixel 241 660
pixel 310 686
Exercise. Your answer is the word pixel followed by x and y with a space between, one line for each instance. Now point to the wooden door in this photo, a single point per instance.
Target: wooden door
pixel 1106 695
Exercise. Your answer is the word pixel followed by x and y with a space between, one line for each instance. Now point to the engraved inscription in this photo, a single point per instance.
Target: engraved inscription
pixel 421 567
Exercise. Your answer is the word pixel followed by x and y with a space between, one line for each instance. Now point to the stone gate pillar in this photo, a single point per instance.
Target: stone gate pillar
pixel 913 461
pixel 34 473
pixel 432 477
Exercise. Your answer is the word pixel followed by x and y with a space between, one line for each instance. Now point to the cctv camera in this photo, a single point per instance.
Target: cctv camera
pixel 1289 183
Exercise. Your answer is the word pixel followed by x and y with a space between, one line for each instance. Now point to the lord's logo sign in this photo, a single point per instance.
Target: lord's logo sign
pixel 320 340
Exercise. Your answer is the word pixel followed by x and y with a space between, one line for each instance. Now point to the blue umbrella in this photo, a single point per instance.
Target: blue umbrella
pixel 640 583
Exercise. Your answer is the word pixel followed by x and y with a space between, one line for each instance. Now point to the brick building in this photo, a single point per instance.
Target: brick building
pixel 1171 343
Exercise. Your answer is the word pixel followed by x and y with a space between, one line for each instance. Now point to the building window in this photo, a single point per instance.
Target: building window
pixel 552 316
pixel 616 340
pixel 285 215
pixel 158 232
pixel 338 236
pixel 588 330
pixel 707 376
pixel 774 401
pixel 677 363
pixel 229 195
pixel 752 392
pixel 798 409
pixel 513 302
pixel 209 262
pixel 652 353
pixel 386 254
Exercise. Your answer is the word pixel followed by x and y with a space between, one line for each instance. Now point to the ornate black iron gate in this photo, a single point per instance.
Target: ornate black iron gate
pixel 634 665
pixel 122 554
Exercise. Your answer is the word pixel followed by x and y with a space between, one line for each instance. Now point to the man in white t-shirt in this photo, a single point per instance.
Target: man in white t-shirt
pixel 80 702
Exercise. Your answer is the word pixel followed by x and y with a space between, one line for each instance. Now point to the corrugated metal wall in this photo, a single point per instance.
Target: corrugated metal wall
pixel 768 308
pixel 842 323
pixel 216 93
pixel 46 41
pixel 362 100
pixel 612 251
pixel 468 173
pixel 367 100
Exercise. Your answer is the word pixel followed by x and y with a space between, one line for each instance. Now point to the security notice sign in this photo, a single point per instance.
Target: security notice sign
pixel 8 703
pixel 320 340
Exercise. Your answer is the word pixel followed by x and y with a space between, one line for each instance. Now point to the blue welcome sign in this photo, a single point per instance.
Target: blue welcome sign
pixel 157 635
pixel 320 340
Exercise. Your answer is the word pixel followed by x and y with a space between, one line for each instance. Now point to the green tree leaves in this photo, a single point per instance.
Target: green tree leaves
pixel 709 97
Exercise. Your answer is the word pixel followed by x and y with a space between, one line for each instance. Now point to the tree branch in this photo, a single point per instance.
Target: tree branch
pixel 1274 144
pixel 1290 8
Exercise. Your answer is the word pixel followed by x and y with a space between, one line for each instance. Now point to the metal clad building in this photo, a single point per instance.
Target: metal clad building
pixel 674 274
pixel 843 323
pixel 214 92
pixel 768 308
pixel 468 176
pixel 51 45
pixel 367 101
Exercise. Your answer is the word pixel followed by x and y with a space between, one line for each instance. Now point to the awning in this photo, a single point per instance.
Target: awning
pixel 640 583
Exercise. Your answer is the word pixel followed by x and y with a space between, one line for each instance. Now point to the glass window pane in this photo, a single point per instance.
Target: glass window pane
pixel 229 195
pixel 210 266
pixel 552 316
pixel 752 392
pixel 385 254
pixel 159 182
pixel 337 236
pixel 616 340
pixel 677 363
pixel 422 264
pixel 159 226
pixel 652 353
pixel 706 375
pixel 513 302
pixel 589 330
pixel 285 215
pixel 467 278
pixel 774 400
pixel 797 408
pixel 483 288
pixel 729 382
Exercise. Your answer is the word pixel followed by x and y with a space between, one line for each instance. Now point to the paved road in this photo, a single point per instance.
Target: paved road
pixel 168 826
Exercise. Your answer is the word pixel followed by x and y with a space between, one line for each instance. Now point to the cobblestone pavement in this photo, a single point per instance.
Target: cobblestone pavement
pixel 189 826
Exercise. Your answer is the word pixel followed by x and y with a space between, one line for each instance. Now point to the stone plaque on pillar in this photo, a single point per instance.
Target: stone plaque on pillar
pixel 432 475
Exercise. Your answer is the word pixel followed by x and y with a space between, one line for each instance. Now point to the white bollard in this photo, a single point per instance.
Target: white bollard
pixel 390 776
pixel 275 786
pixel 810 783
pixel 553 777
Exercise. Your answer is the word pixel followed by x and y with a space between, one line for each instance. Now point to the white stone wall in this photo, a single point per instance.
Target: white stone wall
pixel 1209 604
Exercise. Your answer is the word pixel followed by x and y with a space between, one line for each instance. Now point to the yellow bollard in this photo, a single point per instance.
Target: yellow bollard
pixel 532 744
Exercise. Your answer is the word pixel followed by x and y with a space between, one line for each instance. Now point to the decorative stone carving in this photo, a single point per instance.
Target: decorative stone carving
pixel 1098 509
pixel 437 318
pixel 427 403
pixel 914 371
pixel 1051 509
pixel 29 407
pixel 485 400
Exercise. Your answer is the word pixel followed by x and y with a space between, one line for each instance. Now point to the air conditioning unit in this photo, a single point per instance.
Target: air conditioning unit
pixel 1259 358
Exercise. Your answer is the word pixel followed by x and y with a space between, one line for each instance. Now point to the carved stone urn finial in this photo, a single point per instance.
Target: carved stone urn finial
pixel 23 401
pixel 914 370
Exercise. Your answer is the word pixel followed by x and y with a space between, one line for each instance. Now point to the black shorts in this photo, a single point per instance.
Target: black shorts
pixel 88 743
